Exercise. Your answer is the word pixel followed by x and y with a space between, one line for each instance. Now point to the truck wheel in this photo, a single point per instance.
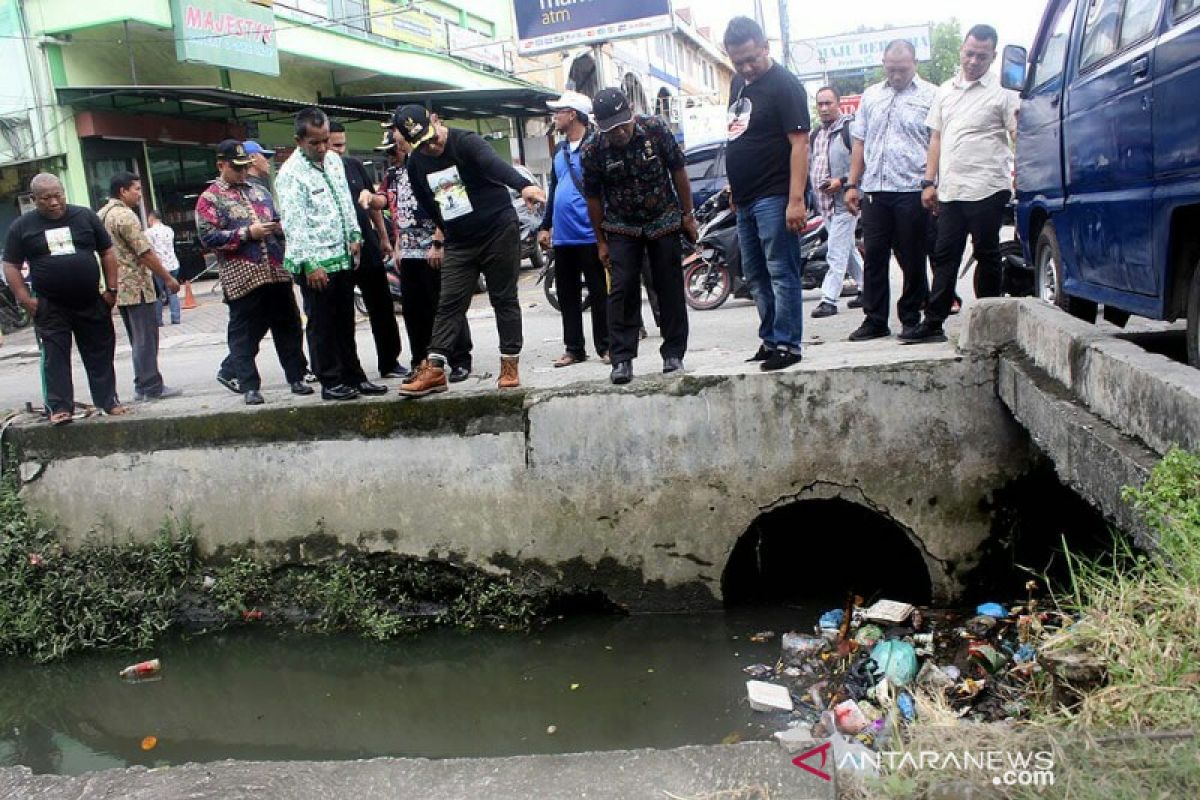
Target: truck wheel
pixel 1049 270
pixel 1193 319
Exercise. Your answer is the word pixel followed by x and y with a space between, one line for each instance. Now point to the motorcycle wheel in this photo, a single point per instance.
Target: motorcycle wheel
pixel 706 286
pixel 13 315
pixel 360 305
pixel 535 257
pixel 550 289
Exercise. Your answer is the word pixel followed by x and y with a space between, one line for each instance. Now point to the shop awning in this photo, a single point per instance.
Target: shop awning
pixel 199 102
pixel 520 102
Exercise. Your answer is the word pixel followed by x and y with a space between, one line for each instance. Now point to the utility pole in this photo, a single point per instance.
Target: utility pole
pixel 758 13
pixel 785 33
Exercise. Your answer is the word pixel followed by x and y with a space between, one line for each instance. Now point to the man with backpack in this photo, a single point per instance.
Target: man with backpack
pixel 566 223
pixel 829 166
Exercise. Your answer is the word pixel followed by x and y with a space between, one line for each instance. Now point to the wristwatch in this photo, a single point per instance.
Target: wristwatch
pixel 926 183
pixel 110 290
pixel 437 244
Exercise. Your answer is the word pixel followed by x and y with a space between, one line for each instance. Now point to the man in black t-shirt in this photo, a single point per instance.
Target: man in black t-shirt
pixel 463 185
pixel 60 243
pixel 369 275
pixel 767 162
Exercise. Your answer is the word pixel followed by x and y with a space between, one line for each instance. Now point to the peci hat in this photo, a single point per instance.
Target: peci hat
pixel 234 152
pixel 573 100
pixel 253 148
pixel 612 109
pixel 388 143
pixel 414 124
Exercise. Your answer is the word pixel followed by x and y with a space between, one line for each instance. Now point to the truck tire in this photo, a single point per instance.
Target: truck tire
pixel 1048 268
pixel 1193 319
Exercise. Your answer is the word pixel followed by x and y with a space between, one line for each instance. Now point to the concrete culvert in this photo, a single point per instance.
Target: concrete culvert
pixel 818 551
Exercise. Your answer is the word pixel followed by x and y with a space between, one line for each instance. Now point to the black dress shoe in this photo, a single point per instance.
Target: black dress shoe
pixel 339 392
pixel 229 383
pixel 622 372
pixel 925 333
pixel 254 397
pixel 398 371
pixel 672 364
pixel 761 355
pixel 855 302
pixel 366 387
pixel 300 387
pixel 868 331
pixel 459 374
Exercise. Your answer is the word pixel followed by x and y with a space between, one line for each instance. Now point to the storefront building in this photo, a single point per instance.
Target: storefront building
pixel 151 86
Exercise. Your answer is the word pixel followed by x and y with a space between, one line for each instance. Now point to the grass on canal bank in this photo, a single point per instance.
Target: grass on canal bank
pixel 1135 734
pixel 54 603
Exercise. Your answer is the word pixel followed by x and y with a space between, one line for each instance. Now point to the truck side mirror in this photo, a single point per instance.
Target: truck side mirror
pixel 1012 67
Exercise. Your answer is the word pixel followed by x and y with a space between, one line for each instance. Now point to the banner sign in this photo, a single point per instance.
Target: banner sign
pixel 545 25
pixel 403 23
pixel 226 33
pixel 469 44
pixel 855 50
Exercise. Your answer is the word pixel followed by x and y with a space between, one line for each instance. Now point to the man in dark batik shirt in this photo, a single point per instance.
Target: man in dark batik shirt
pixel 639 201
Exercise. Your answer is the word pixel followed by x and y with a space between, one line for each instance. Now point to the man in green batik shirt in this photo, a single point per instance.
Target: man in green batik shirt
pixel 323 241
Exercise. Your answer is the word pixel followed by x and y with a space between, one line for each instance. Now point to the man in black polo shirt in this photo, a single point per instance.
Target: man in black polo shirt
pixel 639 200
pixel 60 243
pixel 463 185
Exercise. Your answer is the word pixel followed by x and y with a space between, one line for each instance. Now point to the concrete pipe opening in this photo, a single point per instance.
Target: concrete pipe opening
pixel 821 550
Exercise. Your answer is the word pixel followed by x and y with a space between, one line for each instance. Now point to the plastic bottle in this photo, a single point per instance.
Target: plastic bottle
pixel 143 669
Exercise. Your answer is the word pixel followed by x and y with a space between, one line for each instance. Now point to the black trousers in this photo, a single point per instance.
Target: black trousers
pixel 330 330
pixel 371 280
pixel 981 219
pixel 894 221
pixel 422 284
pixel 498 257
pixel 92 330
pixel 625 297
pixel 573 265
pixel 268 308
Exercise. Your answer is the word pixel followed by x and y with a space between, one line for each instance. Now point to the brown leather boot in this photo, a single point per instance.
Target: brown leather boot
pixel 509 377
pixel 429 379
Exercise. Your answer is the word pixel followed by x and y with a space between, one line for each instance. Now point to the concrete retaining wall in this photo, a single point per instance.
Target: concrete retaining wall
pixel 641 491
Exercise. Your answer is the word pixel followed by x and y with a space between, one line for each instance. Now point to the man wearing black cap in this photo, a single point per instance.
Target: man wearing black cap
pixel 639 200
pixel 463 184
pixel 236 220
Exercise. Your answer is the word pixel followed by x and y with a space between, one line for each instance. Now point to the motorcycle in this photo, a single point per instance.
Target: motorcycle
pixel 712 267
pixel 12 314
pixel 1017 278
pixel 392 270
pixel 547 278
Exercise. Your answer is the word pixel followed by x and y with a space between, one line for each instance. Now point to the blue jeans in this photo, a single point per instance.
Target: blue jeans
pixel 771 266
pixel 169 300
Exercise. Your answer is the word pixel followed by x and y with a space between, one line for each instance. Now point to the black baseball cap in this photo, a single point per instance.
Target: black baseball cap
pixel 414 124
pixel 234 152
pixel 611 108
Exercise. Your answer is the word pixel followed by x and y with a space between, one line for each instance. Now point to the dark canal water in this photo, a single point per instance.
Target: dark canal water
pixel 660 680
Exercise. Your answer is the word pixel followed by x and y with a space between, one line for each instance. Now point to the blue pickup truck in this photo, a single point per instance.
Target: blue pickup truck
pixel 1108 158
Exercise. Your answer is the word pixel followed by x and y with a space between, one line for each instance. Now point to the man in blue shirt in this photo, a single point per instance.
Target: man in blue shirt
pixel 566 223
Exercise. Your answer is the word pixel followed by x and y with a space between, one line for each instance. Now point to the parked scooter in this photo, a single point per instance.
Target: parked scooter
pixel 712 268
pixel 392 270
pixel 1017 278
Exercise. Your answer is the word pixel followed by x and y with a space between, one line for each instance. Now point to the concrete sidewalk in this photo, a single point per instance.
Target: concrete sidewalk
pixel 750 771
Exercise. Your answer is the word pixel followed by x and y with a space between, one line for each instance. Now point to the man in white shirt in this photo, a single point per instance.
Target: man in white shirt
pixel 968 177
pixel 162 239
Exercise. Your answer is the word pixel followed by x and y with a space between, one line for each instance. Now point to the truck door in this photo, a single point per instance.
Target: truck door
pixel 1039 140
pixel 1176 92
pixel 1108 134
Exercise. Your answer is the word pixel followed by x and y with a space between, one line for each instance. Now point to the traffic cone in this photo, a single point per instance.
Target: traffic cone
pixel 189 299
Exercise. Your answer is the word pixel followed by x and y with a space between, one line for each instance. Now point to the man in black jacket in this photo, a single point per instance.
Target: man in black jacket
pixel 463 184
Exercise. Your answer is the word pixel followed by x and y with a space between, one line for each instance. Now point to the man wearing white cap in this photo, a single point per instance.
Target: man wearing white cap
pixel 566 223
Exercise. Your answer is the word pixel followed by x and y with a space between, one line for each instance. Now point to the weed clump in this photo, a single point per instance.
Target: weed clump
pixel 55 602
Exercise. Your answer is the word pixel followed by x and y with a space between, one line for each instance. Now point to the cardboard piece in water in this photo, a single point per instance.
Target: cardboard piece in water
pixel 889 611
